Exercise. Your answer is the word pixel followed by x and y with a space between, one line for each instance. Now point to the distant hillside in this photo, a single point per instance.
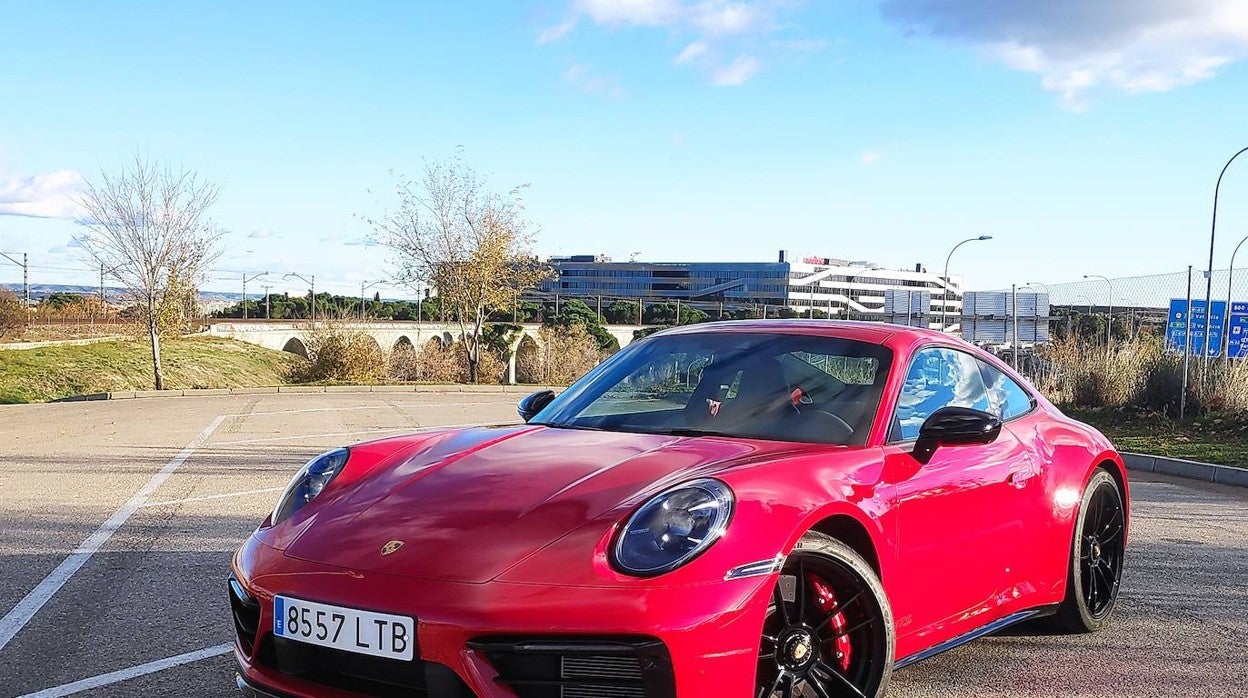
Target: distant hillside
pixel 114 294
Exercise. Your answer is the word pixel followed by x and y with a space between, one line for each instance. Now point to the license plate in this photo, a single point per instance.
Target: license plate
pixel 347 629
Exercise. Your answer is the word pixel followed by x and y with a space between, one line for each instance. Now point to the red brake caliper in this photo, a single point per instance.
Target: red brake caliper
pixel 825 599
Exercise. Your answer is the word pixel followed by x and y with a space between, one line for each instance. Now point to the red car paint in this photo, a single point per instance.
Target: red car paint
pixel 507 530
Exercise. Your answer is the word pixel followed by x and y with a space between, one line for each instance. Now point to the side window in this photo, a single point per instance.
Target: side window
pixel 938 377
pixel 1006 398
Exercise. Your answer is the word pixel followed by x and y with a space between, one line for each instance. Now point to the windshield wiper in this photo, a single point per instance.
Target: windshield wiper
pixel 563 425
pixel 690 431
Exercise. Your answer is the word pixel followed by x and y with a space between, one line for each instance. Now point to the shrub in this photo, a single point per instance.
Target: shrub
pixel 435 363
pixel 1138 373
pixel 339 355
pixel 564 355
pixel 13 314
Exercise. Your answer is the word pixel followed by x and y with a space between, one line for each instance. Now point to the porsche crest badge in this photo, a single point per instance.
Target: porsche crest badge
pixel 391 547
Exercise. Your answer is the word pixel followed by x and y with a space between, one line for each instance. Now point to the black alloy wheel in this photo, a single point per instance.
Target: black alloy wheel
pixel 1095 573
pixel 829 628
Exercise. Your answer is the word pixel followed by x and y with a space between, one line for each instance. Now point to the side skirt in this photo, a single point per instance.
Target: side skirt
pixel 1012 619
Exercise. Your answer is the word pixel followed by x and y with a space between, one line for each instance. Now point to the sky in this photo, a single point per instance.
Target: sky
pixel 1085 137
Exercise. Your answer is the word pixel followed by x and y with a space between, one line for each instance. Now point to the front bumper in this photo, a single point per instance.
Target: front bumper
pixel 492 640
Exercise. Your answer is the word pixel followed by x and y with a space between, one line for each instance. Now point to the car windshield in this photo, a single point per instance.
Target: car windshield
pixel 785 387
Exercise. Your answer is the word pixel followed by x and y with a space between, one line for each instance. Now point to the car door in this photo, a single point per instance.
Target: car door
pixel 960 525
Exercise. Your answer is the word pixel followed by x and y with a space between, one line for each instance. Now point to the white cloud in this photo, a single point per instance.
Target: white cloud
pixel 556 32
pixel 1079 48
pixel 722 17
pixel 870 157
pixel 583 78
pixel 262 233
pixel 710 29
pixel 737 72
pixel 692 52
pixel 364 241
pixel 41 196
pixel 650 13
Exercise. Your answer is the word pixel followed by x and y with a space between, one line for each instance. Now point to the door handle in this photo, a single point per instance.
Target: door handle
pixel 1019 476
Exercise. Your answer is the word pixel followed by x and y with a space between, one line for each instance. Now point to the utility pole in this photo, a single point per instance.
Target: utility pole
pixel 1014 339
pixel 312 284
pixel 245 280
pixel 25 265
pixel 1187 345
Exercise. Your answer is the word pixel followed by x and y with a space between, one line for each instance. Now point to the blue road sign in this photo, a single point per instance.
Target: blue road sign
pixel 1238 341
pixel 1176 327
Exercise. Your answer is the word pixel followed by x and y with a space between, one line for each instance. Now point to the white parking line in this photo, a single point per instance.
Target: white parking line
pixel 16 619
pixel 131 673
pixel 205 498
pixel 297 437
pixel 371 407
pixel 368 432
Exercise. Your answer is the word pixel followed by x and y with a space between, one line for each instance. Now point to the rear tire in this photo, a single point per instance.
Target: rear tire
pixel 1094 572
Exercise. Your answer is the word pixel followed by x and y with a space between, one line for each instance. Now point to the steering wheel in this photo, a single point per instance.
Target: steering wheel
pixel 804 405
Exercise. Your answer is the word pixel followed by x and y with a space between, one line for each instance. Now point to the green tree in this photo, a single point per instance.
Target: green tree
pixel 620 313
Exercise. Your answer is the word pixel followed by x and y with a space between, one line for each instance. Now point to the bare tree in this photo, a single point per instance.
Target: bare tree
pixel 149 224
pixel 450 229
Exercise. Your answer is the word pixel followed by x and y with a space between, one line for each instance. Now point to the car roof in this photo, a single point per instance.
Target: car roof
pixel 873 332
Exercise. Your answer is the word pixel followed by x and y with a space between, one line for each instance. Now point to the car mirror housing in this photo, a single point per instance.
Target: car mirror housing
pixel 534 403
pixel 955 426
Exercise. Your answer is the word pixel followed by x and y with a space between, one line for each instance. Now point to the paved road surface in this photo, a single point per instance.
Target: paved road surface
pixel 154 589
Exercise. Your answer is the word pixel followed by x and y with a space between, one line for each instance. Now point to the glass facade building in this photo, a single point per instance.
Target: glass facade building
pixel 837 287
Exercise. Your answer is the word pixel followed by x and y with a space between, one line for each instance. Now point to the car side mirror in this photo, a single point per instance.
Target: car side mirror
pixel 534 403
pixel 955 426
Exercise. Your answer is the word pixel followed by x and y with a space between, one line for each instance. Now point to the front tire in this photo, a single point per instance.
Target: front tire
pixel 1095 569
pixel 829 627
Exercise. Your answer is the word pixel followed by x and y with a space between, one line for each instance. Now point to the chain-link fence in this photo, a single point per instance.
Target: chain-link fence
pixel 1143 341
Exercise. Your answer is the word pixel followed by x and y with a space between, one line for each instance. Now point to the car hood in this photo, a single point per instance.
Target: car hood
pixel 470 504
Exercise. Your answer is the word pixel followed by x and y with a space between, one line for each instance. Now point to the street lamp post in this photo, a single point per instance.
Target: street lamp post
pixel 245 280
pixel 1213 230
pixel 311 282
pixel 1230 279
pixel 1109 325
pixel 364 287
pixel 267 314
pixel 944 305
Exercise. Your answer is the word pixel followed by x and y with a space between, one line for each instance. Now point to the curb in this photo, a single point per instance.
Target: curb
pixel 311 390
pixel 1194 470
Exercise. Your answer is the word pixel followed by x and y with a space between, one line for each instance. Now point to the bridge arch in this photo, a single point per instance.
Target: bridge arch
pixel 294 345
pixel 527 363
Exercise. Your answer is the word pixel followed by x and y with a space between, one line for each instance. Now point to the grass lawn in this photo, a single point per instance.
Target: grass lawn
pixel 1215 439
pixel 36 375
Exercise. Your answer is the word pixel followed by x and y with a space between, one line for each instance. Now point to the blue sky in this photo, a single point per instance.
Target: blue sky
pixel 1084 139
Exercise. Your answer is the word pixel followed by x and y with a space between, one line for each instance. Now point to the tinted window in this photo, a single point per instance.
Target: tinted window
pixel 783 387
pixel 1006 398
pixel 937 378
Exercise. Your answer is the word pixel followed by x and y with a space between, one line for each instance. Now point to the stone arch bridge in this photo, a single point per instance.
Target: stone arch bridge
pixel 285 335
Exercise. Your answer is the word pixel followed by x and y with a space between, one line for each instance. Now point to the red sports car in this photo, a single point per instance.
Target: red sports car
pixel 731 510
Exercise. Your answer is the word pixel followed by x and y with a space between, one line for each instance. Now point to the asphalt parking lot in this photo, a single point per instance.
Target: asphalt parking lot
pixel 119 519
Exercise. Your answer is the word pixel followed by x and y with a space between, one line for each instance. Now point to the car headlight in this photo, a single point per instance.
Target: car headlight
pixel 673 528
pixel 311 479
